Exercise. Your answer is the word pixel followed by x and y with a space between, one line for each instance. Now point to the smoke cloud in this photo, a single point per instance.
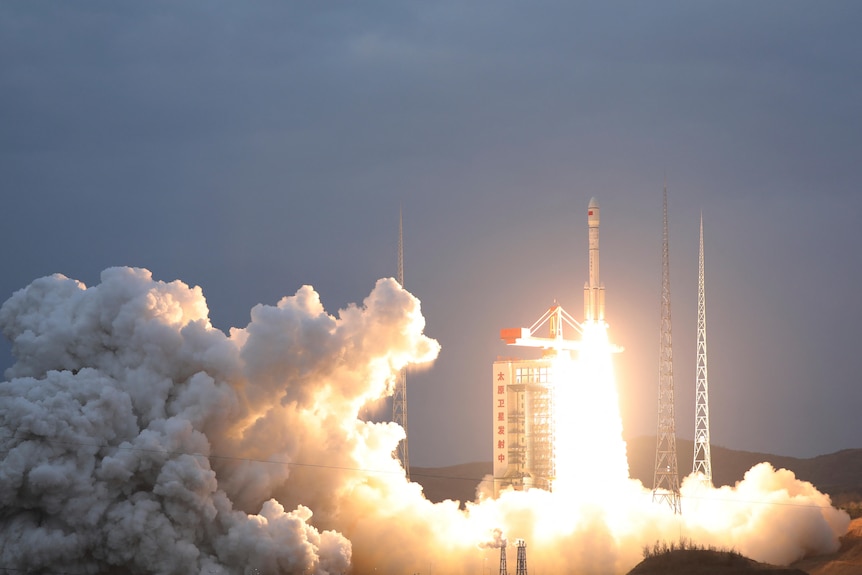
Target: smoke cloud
pixel 136 438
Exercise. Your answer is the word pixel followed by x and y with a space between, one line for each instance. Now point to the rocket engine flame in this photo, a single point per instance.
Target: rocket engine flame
pixel 135 437
pixel 589 427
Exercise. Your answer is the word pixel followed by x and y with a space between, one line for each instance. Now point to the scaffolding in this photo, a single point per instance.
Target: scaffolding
pixel 531 424
pixel 542 436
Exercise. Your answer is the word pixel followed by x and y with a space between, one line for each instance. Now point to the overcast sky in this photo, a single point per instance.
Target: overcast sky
pixel 254 149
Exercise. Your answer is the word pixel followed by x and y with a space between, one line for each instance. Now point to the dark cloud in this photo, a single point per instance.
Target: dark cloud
pixel 254 150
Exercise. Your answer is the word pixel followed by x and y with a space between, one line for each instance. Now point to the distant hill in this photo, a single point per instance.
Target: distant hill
pixel 838 474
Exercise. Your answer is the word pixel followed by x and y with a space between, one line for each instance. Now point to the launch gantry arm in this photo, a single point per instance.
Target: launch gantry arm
pixel 555 317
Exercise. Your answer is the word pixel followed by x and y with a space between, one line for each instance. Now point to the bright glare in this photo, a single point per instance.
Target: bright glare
pixel 599 519
pixel 589 445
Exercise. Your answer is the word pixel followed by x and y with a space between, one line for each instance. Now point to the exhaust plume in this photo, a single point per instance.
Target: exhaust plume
pixel 136 438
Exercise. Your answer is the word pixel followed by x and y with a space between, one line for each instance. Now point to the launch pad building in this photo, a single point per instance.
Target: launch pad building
pixel 523 428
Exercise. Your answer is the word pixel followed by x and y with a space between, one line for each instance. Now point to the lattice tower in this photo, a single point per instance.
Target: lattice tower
pixel 503 568
pixel 666 481
pixel 399 398
pixel 521 569
pixel 702 457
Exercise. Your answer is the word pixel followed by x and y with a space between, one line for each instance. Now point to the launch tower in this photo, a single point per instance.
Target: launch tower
pixel 503 568
pixel 702 458
pixel 666 481
pixel 399 398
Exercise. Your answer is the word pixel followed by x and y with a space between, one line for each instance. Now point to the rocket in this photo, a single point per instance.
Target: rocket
pixel 594 291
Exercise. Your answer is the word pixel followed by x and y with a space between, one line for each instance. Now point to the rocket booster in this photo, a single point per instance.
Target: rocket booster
pixel 594 291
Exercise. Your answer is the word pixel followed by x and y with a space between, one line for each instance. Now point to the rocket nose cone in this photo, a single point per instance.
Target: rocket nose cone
pixel 594 203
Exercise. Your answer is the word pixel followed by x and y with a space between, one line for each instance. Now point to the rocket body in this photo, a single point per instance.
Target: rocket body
pixel 594 291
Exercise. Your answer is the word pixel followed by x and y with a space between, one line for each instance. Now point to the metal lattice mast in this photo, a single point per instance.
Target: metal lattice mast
pixel 503 568
pixel 521 569
pixel 400 248
pixel 399 399
pixel 666 481
pixel 702 457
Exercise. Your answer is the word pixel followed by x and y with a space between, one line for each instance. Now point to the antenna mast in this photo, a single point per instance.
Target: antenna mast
pixel 399 399
pixel 666 481
pixel 400 248
pixel 521 568
pixel 702 457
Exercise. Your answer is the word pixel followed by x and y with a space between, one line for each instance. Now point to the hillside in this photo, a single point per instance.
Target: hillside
pixel 846 561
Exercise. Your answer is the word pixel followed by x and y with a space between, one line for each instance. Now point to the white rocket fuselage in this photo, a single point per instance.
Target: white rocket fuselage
pixel 594 291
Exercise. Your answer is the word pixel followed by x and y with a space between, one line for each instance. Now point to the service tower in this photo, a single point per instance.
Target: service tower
pixel 524 432
pixel 594 291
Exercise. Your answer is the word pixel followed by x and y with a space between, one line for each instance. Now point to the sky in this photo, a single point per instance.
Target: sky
pixel 251 150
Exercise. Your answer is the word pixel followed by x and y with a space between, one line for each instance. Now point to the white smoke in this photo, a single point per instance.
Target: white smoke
pixel 136 438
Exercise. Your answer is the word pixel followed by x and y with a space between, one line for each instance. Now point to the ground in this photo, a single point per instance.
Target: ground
pixel 846 561
pixel 705 562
